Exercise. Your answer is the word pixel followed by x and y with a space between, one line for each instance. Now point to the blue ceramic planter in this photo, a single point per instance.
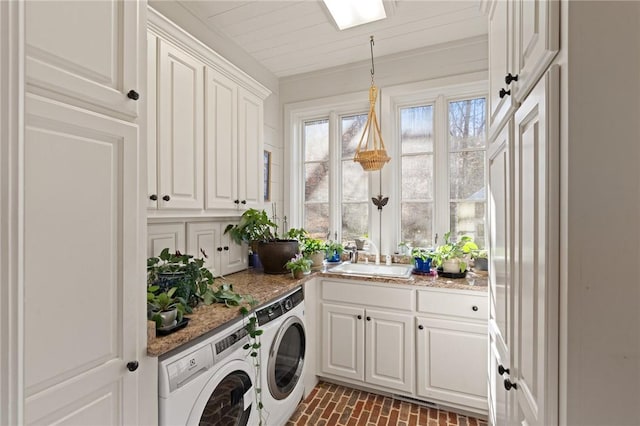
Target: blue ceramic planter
pixel 423 265
pixel 335 257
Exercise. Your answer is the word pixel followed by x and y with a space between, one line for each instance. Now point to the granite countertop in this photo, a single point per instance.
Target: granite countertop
pixel 207 319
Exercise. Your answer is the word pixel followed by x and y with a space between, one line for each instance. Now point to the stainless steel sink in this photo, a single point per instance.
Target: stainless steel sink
pixel 402 272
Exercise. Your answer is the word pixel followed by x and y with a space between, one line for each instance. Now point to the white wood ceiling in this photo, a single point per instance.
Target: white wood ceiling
pixel 298 36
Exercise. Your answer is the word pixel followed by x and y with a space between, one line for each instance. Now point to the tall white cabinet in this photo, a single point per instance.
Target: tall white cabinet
pixel 524 180
pixel 81 215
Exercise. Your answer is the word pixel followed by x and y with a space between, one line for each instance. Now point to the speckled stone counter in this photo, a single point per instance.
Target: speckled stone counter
pixel 206 320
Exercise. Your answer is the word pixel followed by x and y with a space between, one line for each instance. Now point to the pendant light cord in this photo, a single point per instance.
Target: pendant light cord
pixel 371 43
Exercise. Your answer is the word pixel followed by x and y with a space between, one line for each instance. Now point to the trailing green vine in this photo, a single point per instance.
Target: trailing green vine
pixel 254 351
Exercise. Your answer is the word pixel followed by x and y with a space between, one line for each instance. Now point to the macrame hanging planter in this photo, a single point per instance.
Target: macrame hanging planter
pixel 371 153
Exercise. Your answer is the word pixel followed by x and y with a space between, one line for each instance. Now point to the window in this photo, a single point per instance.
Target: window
pixel 355 200
pixel 442 171
pixel 316 178
pixel 467 189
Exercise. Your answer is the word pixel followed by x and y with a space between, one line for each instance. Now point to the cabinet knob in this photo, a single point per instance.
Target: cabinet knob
pixel 219 249
pixel 153 197
pixel 133 95
pixel 504 93
pixel 509 78
pixel 420 327
pixel 508 385
pixel 236 201
pixel 243 201
pixel 226 248
pixel 474 308
pixel 359 316
pixel 502 370
pixel 368 318
pixel 166 198
pixel 132 365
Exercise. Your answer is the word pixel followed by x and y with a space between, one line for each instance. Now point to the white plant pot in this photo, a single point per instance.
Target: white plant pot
pixel 317 258
pixel 168 318
pixel 451 266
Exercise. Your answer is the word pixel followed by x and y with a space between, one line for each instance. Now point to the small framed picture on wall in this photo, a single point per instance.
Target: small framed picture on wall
pixel 267 175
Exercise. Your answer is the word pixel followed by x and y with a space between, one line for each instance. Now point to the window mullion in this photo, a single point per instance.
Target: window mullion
pixel 335 178
pixel 441 169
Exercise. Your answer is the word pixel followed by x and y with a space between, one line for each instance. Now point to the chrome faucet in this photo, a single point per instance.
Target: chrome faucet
pixel 353 255
pixel 371 243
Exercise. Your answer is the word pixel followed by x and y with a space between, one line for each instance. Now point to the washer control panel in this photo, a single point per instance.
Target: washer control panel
pixel 230 342
pixel 188 367
pixel 280 307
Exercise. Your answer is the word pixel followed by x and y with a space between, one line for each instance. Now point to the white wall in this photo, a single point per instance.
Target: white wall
pixel 600 298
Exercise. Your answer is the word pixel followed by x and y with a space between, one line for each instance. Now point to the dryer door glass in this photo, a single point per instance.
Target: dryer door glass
pixel 226 405
pixel 286 359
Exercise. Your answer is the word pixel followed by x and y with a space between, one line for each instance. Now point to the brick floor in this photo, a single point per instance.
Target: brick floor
pixel 330 404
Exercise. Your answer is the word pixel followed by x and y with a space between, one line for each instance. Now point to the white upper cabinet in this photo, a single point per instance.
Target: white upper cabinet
pixel 523 40
pixel 250 149
pixel 221 134
pixel 208 121
pixel 85 53
pixel 180 142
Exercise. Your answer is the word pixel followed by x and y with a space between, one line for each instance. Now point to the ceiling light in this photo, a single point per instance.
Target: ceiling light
pixel 350 13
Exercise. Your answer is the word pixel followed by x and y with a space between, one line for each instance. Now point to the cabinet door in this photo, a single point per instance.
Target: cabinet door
pixel 343 341
pixel 203 241
pixel 234 256
pixel 501 401
pixel 501 198
pixel 535 274
pixel 389 349
pixel 537 31
pixel 180 135
pixel 86 52
pixel 81 253
pixel 152 121
pixel 500 58
pixel 250 149
pixel 221 147
pixel 452 362
pixel 165 235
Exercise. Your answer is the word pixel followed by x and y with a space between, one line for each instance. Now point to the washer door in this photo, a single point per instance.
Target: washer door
pixel 286 358
pixel 227 399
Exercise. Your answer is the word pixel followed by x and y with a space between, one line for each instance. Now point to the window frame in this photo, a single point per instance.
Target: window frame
pixel 296 115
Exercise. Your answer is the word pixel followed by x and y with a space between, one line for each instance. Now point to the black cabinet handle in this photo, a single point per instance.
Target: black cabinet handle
pixel 504 93
pixel 359 316
pixel 219 249
pixel 132 365
pixel 502 370
pixel 368 318
pixel 236 201
pixel 166 198
pixel 226 248
pixel 153 197
pixel 509 78
pixel 133 95
pixel 508 385
pixel 244 201
pixel 474 308
pixel 421 327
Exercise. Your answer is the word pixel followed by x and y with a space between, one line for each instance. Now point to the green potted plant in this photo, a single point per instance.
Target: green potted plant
pixel 333 250
pixel 187 274
pixel 421 258
pixel 453 257
pixel 311 248
pixel 299 265
pixel 256 229
pixel 163 308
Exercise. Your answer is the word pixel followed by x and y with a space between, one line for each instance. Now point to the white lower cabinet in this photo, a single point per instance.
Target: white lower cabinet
pixel 222 256
pixel 383 336
pixel 201 240
pixel 452 361
pixel 369 345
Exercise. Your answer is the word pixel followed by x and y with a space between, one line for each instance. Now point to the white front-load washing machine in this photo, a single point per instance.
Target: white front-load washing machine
pixel 283 350
pixel 209 383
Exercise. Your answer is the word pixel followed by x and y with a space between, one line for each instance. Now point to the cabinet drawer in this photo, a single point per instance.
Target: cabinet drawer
pixel 453 303
pixel 369 295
